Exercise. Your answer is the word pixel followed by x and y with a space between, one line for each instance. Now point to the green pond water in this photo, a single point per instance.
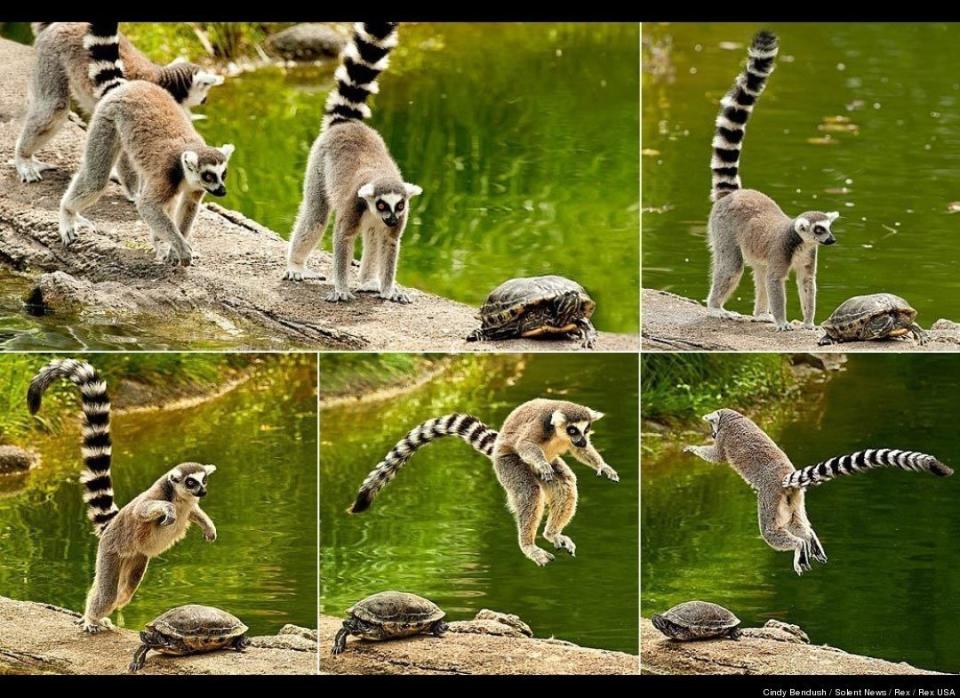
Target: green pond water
pixel 890 589
pixel 262 567
pixel 892 181
pixel 442 530
pixel 524 138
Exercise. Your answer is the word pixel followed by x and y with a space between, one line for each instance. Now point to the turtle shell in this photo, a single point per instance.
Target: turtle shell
pixel 397 607
pixel 702 615
pixel 512 299
pixel 851 315
pixel 199 627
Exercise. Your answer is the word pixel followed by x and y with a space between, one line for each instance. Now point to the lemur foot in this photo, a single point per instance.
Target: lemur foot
pixel 181 258
pixel 784 327
pixel 562 542
pixel 93 627
pixel 763 317
pixel 723 314
pixel 339 297
pixel 395 295
pixel 29 169
pixel 540 556
pixel 69 226
pixel 369 287
pixel 609 473
pixel 302 275
pixel 809 326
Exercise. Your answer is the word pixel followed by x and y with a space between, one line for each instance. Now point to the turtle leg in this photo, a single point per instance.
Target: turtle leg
pixel 438 628
pixel 340 641
pixel 476 336
pixel 139 657
pixel 826 340
pixel 734 634
pixel 588 333
pixel 241 643
pixel 920 334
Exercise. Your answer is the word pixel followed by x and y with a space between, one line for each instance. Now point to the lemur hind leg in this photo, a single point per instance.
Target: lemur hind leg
pixel 561 494
pixel 774 516
pixel 761 306
pixel 311 222
pixel 102 597
pixel 86 187
pixel 727 270
pixel 129 179
pixel 49 107
pixel 131 573
pixel 525 499
pixel 799 525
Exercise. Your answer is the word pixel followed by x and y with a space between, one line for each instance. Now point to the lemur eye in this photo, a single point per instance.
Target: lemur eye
pixel 191 482
pixel 381 206
pixel 400 206
pixel 208 177
pixel 572 431
pixel 819 230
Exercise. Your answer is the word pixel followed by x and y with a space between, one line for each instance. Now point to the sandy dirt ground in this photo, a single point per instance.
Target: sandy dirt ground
pixel 235 289
pixel 675 323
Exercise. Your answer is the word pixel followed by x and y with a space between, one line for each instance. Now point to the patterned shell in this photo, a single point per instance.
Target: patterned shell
pixel 397 607
pixel 513 298
pixel 702 614
pixel 854 312
pixel 194 622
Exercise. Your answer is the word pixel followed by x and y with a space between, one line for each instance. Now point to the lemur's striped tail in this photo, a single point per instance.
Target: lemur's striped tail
pixel 468 428
pixel 102 42
pixel 364 58
pixel 862 461
pixel 96 451
pixel 735 109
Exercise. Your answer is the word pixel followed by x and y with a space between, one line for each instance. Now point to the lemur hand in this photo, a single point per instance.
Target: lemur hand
pixel 546 474
pixel 689 449
pixel 608 472
pixel 210 534
pixel 169 516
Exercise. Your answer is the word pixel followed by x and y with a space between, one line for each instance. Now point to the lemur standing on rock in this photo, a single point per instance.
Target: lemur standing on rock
pixel 747 226
pixel 62 69
pixel 173 164
pixel 148 525
pixel 526 457
pixel 351 173
pixel 780 487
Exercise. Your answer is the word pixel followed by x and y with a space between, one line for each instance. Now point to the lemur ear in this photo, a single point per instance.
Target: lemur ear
pixel 833 215
pixel 205 78
pixel 557 418
pixel 595 416
pixel 211 469
pixel 412 189
pixel 802 225
pixel 189 160
pixel 366 191
pixel 227 150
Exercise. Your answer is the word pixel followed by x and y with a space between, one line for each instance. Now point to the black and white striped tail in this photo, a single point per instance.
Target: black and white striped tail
pixel 862 461
pixel 102 42
pixel 468 428
pixel 364 58
pixel 96 446
pixel 735 109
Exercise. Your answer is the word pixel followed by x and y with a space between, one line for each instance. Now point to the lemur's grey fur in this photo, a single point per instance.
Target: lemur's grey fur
pixel 780 487
pixel 526 456
pixel 747 226
pixel 173 164
pixel 350 172
pixel 62 69
pixel 149 524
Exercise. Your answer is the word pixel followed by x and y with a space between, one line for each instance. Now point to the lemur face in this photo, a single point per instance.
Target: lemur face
pixel 207 170
pixel 815 227
pixel 200 87
pixel 389 199
pixel 189 480
pixel 578 433
pixel 718 418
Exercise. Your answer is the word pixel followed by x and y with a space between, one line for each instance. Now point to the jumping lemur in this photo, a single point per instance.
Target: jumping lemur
pixel 747 226
pixel 62 69
pixel 174 166
pixel 149 524
pixel 526 457
pixel 780 487
pixel 350 172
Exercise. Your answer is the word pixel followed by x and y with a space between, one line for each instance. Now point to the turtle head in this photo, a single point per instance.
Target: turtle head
pixel 189 480
pixel 814 226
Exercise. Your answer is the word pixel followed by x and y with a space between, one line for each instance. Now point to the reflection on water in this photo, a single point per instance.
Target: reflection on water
pixel 888 165
pixel 441 529
pixel 262 567
pixel 890 588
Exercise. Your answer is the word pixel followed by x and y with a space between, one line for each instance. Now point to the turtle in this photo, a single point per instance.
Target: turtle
pixel 697 620
pixel 190 629
pixel 390 615
pixel 535 306
pixel 875 316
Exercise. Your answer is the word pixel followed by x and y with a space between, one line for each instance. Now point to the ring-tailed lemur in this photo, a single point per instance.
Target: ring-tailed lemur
pixel 780 487
pixel 149 524
pixel 747 226
pixel 526 455
pixel 62 69
pixel 173 164
pixel 350 172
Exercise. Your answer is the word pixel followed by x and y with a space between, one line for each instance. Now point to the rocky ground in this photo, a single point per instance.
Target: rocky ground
pixel 485 645
pixel 41 639
pixel 675 323
pixel 234 289
pixel 758 651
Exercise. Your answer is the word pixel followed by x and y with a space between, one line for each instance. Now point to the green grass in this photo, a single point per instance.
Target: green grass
pixel 165 41
pixel 359 373
pixel 683 387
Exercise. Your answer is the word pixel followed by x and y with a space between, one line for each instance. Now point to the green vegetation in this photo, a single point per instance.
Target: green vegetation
pixel 222 41
pixel 680 387
pixel 359 373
